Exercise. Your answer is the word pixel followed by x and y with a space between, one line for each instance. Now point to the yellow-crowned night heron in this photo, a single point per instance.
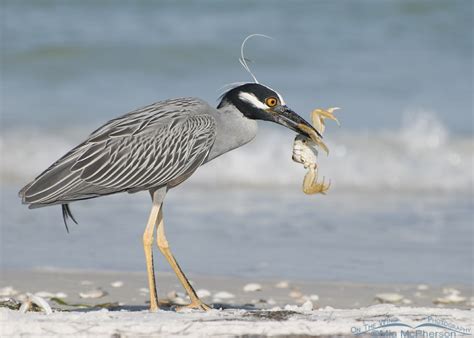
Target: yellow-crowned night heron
pixel 156 148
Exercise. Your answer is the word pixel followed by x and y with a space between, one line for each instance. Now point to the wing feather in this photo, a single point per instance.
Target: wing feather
pixel 147 148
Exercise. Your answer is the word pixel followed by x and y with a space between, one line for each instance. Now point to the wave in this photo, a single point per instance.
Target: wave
pixel 418 156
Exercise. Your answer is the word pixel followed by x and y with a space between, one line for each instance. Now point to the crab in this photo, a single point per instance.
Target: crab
pixel 305 151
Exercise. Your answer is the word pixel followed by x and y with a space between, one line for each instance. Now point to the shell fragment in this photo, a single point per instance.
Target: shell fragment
pixel 95 293
pixel 203 293
pixel 39 301
pixel 224 295
pixel 389 297
pixel 116 284
pixel 252 287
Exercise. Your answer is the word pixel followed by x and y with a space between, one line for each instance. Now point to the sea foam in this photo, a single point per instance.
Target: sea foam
pixel 420 155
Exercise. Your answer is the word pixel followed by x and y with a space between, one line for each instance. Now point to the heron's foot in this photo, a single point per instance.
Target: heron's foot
pixel 196 305
pixel 319 115
pixel 154 308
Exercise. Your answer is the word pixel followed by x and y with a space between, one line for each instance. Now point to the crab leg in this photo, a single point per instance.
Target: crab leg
pixel 319 115
pixel 314 137
pixel 310 184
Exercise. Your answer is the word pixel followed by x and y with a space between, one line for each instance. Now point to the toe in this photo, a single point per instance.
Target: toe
pixel 194 306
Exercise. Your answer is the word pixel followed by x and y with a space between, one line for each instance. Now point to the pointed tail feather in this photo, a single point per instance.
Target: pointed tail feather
pixel 67 214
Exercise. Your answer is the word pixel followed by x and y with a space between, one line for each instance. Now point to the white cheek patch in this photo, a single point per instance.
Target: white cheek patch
pixel 252 99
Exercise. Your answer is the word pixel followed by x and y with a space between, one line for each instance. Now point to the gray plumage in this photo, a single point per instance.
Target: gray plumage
pixel 155 148
pixel 160 144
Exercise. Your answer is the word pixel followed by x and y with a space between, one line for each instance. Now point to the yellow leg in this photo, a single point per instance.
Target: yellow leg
pixel 148 247
pixel 164 247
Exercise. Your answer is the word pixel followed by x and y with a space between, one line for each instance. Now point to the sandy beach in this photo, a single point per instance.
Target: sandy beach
pixel 274 307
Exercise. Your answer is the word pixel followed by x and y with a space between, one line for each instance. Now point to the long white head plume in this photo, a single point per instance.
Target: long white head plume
pixel 243 60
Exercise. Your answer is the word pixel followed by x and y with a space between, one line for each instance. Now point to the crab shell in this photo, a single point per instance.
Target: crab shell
pixel 304 151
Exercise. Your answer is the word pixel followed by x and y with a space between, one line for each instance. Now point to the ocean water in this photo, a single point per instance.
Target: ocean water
pixel 401 164
pixel 254 232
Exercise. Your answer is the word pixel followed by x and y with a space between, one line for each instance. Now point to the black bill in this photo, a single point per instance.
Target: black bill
pixel 288 118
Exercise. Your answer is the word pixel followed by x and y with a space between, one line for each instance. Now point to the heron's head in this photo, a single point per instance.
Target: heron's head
pixel 258 102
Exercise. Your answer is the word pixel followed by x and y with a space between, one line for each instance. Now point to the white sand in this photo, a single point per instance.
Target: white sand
pixel 273 310
pixel 290 321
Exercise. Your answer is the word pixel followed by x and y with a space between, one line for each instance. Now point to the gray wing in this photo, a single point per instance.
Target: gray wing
pixel 161 144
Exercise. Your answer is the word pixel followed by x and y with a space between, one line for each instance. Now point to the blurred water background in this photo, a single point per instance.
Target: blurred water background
pixel 401 165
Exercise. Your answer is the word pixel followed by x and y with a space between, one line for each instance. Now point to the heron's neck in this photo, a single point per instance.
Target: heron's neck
pixel 233 130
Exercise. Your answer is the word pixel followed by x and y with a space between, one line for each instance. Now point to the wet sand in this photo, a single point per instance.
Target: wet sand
pixel 132 289
pixel 261 307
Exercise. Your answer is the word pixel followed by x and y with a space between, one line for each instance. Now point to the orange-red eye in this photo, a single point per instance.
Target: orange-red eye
pixel 271 101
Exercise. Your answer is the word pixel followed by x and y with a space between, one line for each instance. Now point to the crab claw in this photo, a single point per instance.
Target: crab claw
pixel 323 146
pixel 329 113
pixel 319 115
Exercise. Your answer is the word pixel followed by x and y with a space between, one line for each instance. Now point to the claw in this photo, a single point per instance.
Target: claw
pixel 194 306
pixel 319 115
pixel 310 182
pixel 314 137
pixel 331 114
pixel 324 187
pixel 312 186
pixel 323 146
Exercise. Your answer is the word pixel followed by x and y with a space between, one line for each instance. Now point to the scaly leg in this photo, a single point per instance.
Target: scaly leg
pixel 164 247
pixel 148 248
pixel 157 197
